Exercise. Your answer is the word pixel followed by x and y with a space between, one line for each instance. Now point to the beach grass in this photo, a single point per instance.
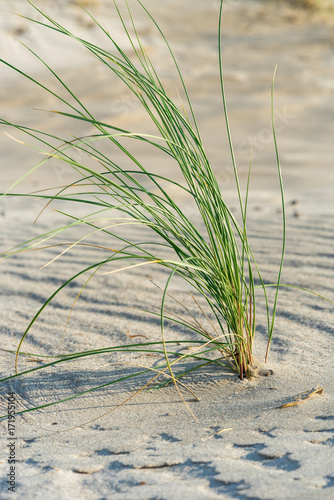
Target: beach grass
pixel 216 262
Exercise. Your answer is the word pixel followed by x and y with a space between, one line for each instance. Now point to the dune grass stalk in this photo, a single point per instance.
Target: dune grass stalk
pixel 217 262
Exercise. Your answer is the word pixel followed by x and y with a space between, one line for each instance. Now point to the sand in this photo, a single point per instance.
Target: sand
pixel 243 443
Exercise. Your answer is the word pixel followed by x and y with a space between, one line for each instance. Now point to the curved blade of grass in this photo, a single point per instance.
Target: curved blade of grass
pixel 270 333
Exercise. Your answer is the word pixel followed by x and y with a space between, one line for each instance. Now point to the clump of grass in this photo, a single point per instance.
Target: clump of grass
pixel 218 262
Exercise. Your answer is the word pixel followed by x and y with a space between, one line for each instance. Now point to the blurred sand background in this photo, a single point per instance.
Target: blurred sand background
pixel 151 448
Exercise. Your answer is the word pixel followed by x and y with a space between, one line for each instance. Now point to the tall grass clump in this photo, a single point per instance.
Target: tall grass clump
pixel 217 262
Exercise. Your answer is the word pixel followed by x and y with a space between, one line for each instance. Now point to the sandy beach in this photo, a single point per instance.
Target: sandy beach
pixel 242 444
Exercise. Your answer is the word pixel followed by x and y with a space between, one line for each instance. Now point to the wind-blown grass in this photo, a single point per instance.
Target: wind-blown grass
pixel 218 262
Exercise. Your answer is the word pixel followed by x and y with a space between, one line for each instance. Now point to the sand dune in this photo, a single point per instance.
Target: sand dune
pixel 151 447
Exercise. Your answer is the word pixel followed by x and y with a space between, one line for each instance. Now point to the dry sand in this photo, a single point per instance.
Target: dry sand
pixel 151 447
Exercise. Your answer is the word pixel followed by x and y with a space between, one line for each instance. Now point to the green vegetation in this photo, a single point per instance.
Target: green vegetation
pixel 217 263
